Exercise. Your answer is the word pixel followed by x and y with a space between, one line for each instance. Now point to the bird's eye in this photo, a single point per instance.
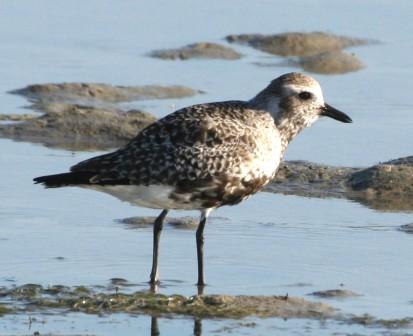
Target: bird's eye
pixel 305 95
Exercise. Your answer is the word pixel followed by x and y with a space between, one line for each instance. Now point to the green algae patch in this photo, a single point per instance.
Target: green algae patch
pixel 104 301
pixel 91 301
pixel 5 310
pixel 25 292
pixel 81 290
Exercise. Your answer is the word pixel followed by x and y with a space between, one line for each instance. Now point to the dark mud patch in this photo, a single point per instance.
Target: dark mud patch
pixel 297 43
pixel 408 228
pixel 97 92
pixel 309 179
pixel 335 293
pixel 202 50
pixel 300 284
pixel 371 321
pixel 148 221
pixel 384 178
pixel 37 298
pixel 387 186
pixel 235 327
pixel 79 127
pixel 120 282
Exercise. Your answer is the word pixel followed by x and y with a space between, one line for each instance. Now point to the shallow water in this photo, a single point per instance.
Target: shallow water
pixel 268 245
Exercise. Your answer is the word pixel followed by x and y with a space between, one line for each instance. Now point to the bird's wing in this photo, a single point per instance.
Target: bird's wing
pixel 191 145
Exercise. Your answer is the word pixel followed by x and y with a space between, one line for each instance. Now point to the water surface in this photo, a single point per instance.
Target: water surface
pixel 268 244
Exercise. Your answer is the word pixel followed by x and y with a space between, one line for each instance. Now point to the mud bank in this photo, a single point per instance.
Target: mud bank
pixel 201 50
pixel 78 127
pixel 297 43
pixel 33 297
pixel 84 116
pixel 98 300
pixel 97 92
pixel 386 186
pixel 316 52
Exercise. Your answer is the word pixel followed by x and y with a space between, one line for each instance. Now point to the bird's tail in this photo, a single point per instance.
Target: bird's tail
pixel 65 179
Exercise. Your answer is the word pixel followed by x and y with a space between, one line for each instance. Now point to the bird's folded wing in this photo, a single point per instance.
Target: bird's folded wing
pixel 192 144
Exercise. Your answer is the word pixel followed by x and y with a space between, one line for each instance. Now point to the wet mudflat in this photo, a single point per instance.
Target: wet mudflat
pixel 308 235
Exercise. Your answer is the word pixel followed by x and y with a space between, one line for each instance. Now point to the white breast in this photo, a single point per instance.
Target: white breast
pixel 267 157
pixel 156 196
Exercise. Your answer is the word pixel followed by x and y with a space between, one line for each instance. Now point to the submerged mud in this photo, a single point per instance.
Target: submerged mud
pixel 332 62
pixel 335 293
pixel 327 63
pixel 201 50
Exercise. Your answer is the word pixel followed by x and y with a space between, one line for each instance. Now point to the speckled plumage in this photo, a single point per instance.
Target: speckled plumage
pixel 212 154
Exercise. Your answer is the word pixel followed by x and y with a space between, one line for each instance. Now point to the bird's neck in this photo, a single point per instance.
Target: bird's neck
pixel 289 129
pixel 288 123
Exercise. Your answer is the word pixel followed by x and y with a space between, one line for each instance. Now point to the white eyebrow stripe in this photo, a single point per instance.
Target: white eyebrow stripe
pixel 314 89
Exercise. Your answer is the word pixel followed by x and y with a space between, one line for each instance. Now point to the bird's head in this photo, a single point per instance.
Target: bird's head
pixel 296 101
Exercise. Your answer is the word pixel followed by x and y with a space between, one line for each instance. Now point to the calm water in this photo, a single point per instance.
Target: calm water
pixel 264 246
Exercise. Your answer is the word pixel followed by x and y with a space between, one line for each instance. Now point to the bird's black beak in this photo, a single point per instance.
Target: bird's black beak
pixel 329 111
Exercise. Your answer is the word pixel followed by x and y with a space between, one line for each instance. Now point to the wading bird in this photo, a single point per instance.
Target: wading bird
pixel 204 156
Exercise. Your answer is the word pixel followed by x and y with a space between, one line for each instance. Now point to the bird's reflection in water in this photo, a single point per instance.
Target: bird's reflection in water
pixel 154 288
pixel 197 327
pixel 155 326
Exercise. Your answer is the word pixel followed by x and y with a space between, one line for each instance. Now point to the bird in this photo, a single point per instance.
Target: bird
pixel 204 156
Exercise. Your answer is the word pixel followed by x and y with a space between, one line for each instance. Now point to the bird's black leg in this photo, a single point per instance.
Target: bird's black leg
pixel 200 248
pixel 157 228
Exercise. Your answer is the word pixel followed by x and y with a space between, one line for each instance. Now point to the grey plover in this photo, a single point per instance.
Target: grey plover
pixel 205 156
